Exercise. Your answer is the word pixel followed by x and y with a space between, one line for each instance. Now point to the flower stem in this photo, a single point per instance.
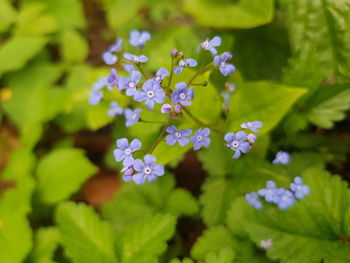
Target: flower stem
pixel 171 76
pixel 139 66
pixel 201 70
pixel 201 123
pixel 160 137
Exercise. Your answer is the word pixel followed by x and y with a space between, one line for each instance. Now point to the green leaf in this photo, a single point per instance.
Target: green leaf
pixel 213 240
pixel 181 202
pixel 242 14
pixel 8 15
pixel 225 255
pixel 74 47
pixel 86 238
pixel 215 199
pixel 273 103
pixel 328 105
pixel 185 260
pixel 97 116
pixel 315 229
pixel 17 51
pixel 34 21
pixel 134 202
pixel 319 36
pixel 146 240
pixel 61 173
pixel 166 153
pixel 45 243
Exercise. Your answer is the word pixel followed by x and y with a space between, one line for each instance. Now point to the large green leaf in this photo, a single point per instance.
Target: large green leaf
pixel 86 238
pixel 144 241
pixel 315 229
pixel 45 243
pixel 225 14
pixel 328 105
pixel 8 15
pixel 61 173
pixel 17 51
pixel 319 35
pixel 74 47
pixel 262 101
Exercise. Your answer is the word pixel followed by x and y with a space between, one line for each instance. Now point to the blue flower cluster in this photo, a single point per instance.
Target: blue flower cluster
pixel 283 198
pixel 157 92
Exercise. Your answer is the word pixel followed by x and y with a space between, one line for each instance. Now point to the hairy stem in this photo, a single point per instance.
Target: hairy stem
pixel 144 74
pixel 201 70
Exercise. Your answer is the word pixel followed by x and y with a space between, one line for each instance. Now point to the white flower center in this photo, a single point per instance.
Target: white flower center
pixel 182 63
pixel 134 116
pixel 235 144
pixel 150 94
pixel 250 124
pixel 177 134
pixel 223 64
pixel 182 96
pixel 199 138
pixel 158 78
pixel 132 85
pixel 127 151
pixel 205 44
pixel 147 170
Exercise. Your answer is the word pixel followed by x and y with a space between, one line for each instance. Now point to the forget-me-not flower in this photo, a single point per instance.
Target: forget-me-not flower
pixel 152 93
pixel 128 173
pixel 253 200
pixel 282 158
pixel 125 150
pixel 147 170
pixel 183 63
pixel 96 94
pixel 252 125
pixel 138 39
pixel 299 189
pixel 161 74
pixel 135 59
pixel 112 79
pixel 115 109
pixel 270 193
pixel 237 143
pixel 108 57
pixel 211 44
pixel 130 84
pixel 286 198
pixel 182 94
pixel 200 138
pixel 177 136
pixel 132 116
pixel 221 61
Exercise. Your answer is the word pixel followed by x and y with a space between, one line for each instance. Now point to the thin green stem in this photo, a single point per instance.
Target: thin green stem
pixel 160 137
pixel 171 74
pixel 201 70
pixel 142 120
pixel 144 74
pixel 200 122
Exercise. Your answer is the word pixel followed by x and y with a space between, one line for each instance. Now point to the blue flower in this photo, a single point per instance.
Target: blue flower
pixel 252 125
pixel 129 68
pixel 108 57
pixel 183 63
pixel 161 74
pixel 177 136
pixel 130 84
pixel 237 143
pixel 96 93
pixel 147 170
pixel 166 108
pixel 115 109
pixel 135 59
pixel 112 79
pixel 182 95
pixel 253 200
pixel 270 193
pixel 221 61
pixel 210 45
pixel 128 173
pixel 299 189
pixel 282 158
pixel 251 138
pixel 200 138
pixel 286 198
pixel 125 151
pixel 131 116
pixel 152 93
pixel 138 39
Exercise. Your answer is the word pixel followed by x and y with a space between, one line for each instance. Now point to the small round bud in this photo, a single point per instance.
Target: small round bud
pixel 230 86
pixel 177 108
pixel 166 108
pixel 173 115
pixel 128 173
pixel 251 137
pixel 225 107
pixel 174 53
pixel 181 54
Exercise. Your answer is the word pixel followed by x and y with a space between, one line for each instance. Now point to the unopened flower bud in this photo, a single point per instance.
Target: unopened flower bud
pixel 128 172
pixel 174 53
pixel 166 108
pixel 230 86
pixel 251 137
pixel 181 54
pixel 177 108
